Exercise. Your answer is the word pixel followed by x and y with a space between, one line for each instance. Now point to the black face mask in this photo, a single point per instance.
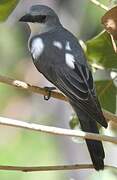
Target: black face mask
pixel 33 19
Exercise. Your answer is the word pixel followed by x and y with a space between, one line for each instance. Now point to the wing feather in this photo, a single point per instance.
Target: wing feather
pixel 79 87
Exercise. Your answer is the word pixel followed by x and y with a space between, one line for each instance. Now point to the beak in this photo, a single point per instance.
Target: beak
pixel 25 18
pixel 33 19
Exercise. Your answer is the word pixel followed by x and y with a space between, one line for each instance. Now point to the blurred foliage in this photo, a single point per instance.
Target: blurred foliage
pixel 100 51
pixel 91 21
pixel 12 49
pixel 6 7
pixel 73 121
pixel 30 149
pixel 107 94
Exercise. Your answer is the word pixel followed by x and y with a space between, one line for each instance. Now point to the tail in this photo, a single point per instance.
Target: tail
pixel 95 147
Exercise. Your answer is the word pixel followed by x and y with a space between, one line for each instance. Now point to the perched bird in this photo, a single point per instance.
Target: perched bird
pixel 58 55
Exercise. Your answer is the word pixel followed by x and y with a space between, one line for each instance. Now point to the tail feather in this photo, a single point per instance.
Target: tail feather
pixel 95 147
pixel 97 159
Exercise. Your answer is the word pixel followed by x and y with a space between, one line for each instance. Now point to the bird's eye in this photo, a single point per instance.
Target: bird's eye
pixel 42 18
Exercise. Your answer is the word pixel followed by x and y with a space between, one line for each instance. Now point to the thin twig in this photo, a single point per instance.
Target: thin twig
pixel 113 43
pixel 26 86
pixel 55 130
pixel 51 168
pixel 97 3
pixel 96 66
pixel 109 116
pixel 31 88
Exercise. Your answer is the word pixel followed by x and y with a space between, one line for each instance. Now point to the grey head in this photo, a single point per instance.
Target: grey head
pixel 41 16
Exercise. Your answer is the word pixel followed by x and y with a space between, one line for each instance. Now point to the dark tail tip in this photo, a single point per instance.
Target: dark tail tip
pixel 97 153
pixel 99 164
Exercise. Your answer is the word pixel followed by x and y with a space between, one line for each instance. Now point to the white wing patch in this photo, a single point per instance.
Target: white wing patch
pixel 69 59
pixel 37 47
pixel 58 44
pixel 67 47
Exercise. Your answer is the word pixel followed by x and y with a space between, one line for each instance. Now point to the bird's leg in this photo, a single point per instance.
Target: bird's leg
pixel 48 90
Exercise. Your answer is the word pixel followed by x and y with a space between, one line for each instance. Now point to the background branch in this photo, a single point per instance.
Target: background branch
pixel 109 116
pixel 23 85
pixel 97 3
pixel 51 168
pixel 31 88
pixel 56 131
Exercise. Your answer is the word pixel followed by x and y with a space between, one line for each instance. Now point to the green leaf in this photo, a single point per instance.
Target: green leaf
pixel 6 7
pixel 106 91
pixel 73 121
pixel 100 51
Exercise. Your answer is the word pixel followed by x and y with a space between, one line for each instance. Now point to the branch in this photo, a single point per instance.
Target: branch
pixel 56 131
pixel 109 116
pixel 28 87
pixel 51 168
pixel 97 3
pixel 23 85
pixel 113 43
pixel 96 66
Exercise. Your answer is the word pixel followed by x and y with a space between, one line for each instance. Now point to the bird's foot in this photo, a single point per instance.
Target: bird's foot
pixel 48 91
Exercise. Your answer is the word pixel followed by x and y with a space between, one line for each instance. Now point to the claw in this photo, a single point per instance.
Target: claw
pixel 48 90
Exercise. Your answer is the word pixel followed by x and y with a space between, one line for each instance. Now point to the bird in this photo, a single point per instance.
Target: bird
pixel 57 54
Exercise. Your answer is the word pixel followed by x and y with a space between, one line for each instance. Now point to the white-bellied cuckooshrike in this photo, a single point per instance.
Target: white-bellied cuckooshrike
pixel 57 54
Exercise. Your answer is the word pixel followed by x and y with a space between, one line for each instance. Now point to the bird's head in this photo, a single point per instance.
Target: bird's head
pixel 41 18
